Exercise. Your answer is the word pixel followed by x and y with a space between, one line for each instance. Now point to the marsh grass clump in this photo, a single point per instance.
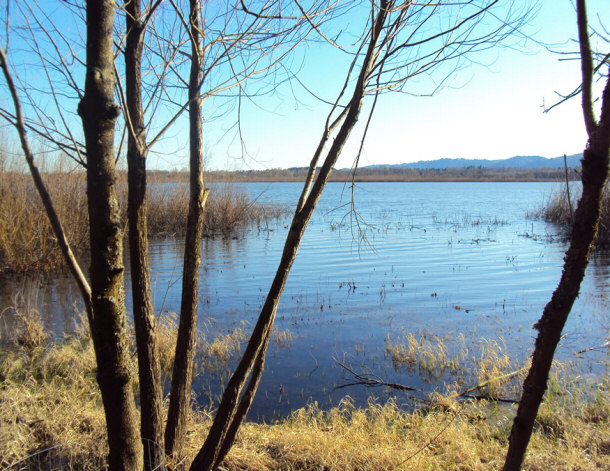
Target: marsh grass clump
pixel 27 241
pixel 49 397
pixel 213 353
pixel 558 210
pixel 230 207
pixel 167 336
pixel 219 351
pixel 281 338
pixel 23 325
pixel 488 367
pixel 492 364
pixel 429 355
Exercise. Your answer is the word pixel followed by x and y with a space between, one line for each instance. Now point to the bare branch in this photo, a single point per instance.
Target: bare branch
pixel 586 62
pixel 71 261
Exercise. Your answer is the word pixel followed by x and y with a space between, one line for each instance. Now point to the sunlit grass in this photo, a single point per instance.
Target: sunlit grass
pixel 49 396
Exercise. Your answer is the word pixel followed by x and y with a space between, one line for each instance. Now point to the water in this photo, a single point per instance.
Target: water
pixel 457 260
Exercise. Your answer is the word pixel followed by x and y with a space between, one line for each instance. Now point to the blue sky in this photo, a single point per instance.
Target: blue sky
pixel 490 110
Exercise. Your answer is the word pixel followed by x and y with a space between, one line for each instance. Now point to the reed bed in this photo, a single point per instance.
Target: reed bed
pixel 27 242
pixel 558 210
pixel 229 208
pixel 434 358
pixel 49 397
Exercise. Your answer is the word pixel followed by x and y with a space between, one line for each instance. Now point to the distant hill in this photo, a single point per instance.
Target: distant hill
pixel 522 168
pixel 521 161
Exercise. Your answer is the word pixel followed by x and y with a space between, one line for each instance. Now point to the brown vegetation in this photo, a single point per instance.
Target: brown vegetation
pixel 558 210
pixel 49 397
pixel 27 242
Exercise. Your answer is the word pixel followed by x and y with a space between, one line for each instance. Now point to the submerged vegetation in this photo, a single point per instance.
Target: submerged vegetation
pixel 27 242
pixel 433 358
pixel 49 397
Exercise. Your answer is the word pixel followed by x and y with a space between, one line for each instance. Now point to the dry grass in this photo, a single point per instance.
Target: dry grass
pixel 27 242
pixel 228 209
pixel 219 351
pixel 570 435
pixel 557 210
pixel 434 357
pixel 48 396
pixel 427 355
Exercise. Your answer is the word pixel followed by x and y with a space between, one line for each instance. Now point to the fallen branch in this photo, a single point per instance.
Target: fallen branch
pixel 373 380
pixel 487 397
pixel 502 378
pixel 585 350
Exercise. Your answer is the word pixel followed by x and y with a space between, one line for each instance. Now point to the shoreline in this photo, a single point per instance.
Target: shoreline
pixel 467 174
pixel 50 400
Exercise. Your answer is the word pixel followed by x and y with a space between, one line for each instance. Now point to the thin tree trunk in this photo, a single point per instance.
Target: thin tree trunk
pixel 58 230
pixel 584 230
pixel 182 376
pixel 232 410
pixel 151 397
pixel 99 112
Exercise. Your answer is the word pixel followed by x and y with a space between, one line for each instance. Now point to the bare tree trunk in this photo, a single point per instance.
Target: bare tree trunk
pixel 232 410
pixel 99 112
pixel 584 231
pixel 182 375
pixel 151 397
pixel 58 230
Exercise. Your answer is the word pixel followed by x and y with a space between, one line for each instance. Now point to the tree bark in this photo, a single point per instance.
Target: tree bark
pixel 182 375
pixel 151 397
pixel 99 113
pixel 232 410
pixel 584 230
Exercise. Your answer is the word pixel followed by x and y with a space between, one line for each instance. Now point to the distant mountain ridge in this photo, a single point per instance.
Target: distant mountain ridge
pixel 521 161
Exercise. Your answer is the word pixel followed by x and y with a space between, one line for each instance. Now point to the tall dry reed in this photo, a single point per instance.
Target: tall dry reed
pixel 27 242
pixel 558 211
pixel 229 208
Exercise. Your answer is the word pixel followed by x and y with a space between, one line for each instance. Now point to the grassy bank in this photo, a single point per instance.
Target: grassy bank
pixel 27 242
pixel 48 396
pixel 559 208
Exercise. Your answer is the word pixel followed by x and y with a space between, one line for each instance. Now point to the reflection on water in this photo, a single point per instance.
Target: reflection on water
pixel 455 260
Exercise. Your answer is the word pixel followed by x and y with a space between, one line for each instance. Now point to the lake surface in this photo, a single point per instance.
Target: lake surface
pixel 460 261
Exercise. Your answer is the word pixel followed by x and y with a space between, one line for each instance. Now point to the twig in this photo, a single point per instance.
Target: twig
pixel 565 166
pixel 427 444
pixel 505 377
pixel 373 381
pixel 487 397
pixel 585 350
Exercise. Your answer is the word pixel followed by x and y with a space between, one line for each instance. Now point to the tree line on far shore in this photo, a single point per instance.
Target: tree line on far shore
pixel 378 173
